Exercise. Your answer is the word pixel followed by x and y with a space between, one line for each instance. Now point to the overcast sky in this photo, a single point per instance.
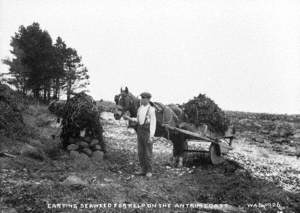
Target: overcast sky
pixel 244 54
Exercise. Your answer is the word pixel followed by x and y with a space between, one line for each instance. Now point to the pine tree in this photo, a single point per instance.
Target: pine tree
pixel 76 74
pixel 40 68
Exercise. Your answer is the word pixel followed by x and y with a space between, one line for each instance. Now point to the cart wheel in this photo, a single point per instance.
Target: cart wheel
pixel 215 154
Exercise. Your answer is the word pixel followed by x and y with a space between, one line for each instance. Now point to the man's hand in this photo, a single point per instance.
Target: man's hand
pixel 151 139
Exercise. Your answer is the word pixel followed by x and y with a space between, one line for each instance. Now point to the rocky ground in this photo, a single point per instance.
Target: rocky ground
pixel 255 178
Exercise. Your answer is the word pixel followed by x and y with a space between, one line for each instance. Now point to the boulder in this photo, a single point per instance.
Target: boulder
pixel 281 140
pixel 33 152
pixel 87 139
pixel 35 142
pixel 74 180
pixel 94 142
pixel 259 139
pixel 284 129
pixel 74 155
pixel 82 161
pixel 274 133
pixel 97 156
pixel 97 147
pixel 265 131
pixel 83 144
pixel 245 122
pixel 8 210
pixel 84 157
pixel 296 135
pixel 87 151
pixel 72 147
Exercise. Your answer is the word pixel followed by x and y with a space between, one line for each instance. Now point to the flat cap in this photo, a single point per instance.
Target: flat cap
pixel 146 95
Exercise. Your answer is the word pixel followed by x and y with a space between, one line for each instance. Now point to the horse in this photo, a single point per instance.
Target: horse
pixel 170 114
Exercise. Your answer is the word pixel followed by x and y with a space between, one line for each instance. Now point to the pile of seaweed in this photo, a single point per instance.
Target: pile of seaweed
pixel 80 119
pixel 202 110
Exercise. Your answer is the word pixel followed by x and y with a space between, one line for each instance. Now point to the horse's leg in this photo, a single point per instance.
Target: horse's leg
pixel 180 162
pixel 175 150
pixel 181 147
pixel 178 150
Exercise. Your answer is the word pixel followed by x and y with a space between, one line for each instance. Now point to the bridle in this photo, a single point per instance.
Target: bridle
pixel 122 109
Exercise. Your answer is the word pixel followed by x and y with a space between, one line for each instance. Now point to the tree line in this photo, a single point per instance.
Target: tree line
pixel 42 69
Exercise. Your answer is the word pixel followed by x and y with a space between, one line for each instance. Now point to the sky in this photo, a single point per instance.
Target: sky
pixel 243 54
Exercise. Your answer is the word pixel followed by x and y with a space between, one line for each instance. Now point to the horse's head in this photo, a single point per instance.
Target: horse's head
pixel 126 102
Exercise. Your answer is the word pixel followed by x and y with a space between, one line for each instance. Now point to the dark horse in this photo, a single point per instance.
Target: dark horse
pixel 170 114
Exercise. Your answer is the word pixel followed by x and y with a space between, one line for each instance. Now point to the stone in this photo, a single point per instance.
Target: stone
pixel 8 210
pixel 74 155
pixel 265 131
pixel 94 142
pixel 97 147
pixel 259 139
pixel 35 142
pixel 33 152
pixel 82 161
pixel 273 133
pixel 72 147
pixel 280 140
pixel 97 156
pixel 87 139
pixel 74 180
pixel 87 151
pixel 297 135
pixel 83 144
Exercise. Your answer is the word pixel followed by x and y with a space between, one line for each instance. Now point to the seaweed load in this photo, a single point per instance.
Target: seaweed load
pixel 202 110
pixel 82 131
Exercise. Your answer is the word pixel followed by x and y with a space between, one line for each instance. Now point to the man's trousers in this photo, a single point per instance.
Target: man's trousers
pixel 144 148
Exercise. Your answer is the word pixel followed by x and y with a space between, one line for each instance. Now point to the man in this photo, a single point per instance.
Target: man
pixel 146 125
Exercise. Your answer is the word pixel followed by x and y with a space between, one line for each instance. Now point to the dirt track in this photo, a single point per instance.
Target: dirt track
pixel 252 175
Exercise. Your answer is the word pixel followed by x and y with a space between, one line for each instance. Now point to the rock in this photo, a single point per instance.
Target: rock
pixel 83 144
pixel 97 147
pixel 84 157
pixel 87 139
pixel 8 210
pixel 284 129
pixel 97 156
pixel 72 147
pixel 82 161
pixel 87 151
pixel 94 142
pixel 33 152
pixel 74 154
pixel 74 180
pixel 35 142
pixel 245 122
pixel 265 131
pixel 273 133
pixel 256 124
pixel 296 135
pixel 108 180
pixel 280 140
pixel 259 139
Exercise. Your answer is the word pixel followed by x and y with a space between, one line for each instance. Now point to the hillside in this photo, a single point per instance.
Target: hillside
pixel 255 173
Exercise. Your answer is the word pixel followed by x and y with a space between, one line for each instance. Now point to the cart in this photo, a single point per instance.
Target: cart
pixel 218 147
